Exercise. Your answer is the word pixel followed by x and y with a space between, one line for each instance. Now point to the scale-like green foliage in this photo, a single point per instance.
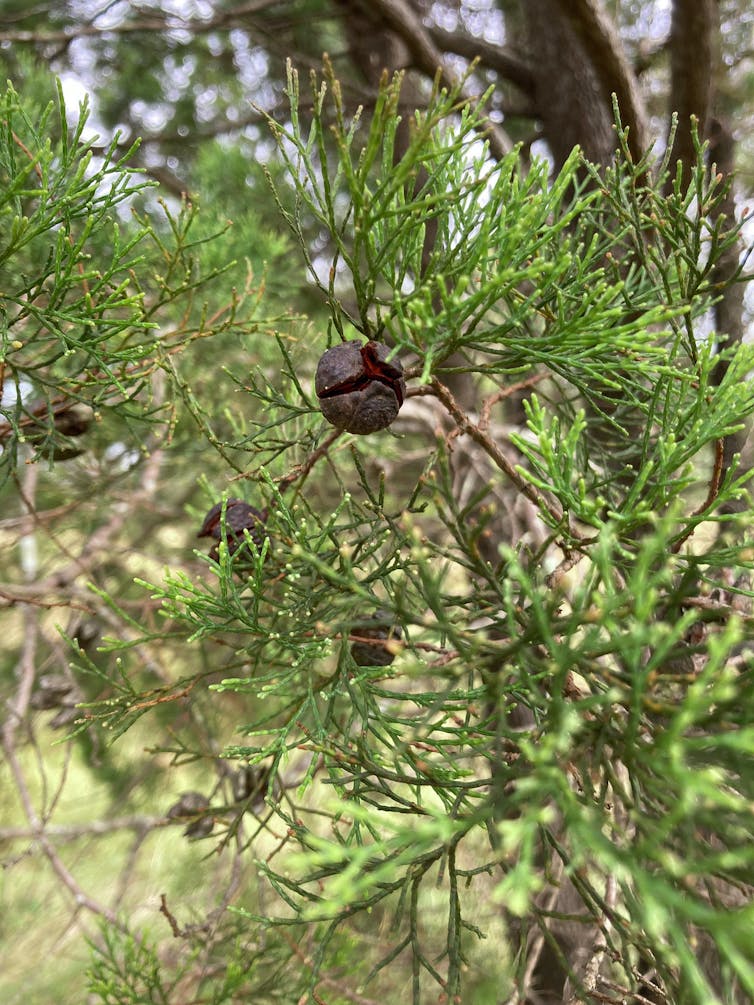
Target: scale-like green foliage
pixel 569 702
pixel 73 323
pixel 631 772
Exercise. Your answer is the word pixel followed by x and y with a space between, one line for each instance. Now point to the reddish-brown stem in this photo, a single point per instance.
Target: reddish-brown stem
pixel 718 469
pixel 303 469
pixel 494 452
pixel 489 403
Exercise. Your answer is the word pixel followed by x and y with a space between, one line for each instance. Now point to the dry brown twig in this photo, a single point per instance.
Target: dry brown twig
pixel 478 434
pixel 330 982
pixel 586 981
pixel 17 712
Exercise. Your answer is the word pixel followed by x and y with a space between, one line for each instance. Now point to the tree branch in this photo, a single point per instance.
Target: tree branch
pixel 602 42
pixel 729 308
pixel 496 57
pixel 464 423
pixel 400 17
pixel 140 25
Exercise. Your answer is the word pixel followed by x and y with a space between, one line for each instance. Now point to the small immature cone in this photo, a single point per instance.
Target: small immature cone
pixel 374 654
pixel 193 807
pixel 239 516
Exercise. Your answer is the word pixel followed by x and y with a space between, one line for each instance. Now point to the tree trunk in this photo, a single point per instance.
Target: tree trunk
pixel 572 103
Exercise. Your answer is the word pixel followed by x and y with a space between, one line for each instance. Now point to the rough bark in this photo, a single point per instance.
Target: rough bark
pixel 400 19
pixel 610 66
pixel 573 104
pixel 691 64
pixel 729 309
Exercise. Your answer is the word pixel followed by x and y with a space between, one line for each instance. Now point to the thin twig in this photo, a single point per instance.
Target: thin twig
pixel 18 709
pixel 712 493
pixel 479 436
pixel 95 828
pixel 587 984
pixel 300 472
pixel 323 979
pixel 145 25
pixel 177 931
pixel 493 399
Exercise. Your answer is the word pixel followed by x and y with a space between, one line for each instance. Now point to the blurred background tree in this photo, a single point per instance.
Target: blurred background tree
pixel 145 319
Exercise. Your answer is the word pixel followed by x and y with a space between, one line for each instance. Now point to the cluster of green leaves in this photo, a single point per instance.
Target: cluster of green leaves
pixel 127 968
pixel 115 307
pixel 593 285
pixel 97 294
pixel 623 636
pixel 73 326
pixel 600 278
pixel 634 767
